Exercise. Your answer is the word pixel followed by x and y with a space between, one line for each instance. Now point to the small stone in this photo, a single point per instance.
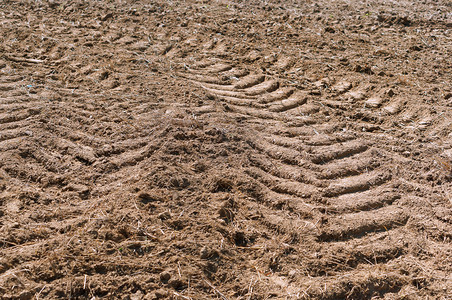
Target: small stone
pixel 165 276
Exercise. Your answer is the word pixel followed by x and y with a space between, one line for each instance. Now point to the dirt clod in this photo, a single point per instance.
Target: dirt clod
pixel 165 276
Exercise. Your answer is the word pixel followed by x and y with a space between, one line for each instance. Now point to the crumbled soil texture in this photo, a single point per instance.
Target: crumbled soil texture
pixel 225 149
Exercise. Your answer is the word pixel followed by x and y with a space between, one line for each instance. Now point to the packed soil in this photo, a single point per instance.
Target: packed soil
pixel 225 149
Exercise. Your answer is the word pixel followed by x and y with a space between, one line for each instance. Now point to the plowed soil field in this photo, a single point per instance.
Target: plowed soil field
pixel 225 149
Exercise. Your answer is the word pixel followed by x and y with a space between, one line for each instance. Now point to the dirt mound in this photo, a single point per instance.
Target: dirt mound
pixel 225 150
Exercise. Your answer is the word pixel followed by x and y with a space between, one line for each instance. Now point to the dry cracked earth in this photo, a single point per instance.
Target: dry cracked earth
pixel 225 149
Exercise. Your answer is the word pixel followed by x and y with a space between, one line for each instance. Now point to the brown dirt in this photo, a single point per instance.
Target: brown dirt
pixel 225 150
